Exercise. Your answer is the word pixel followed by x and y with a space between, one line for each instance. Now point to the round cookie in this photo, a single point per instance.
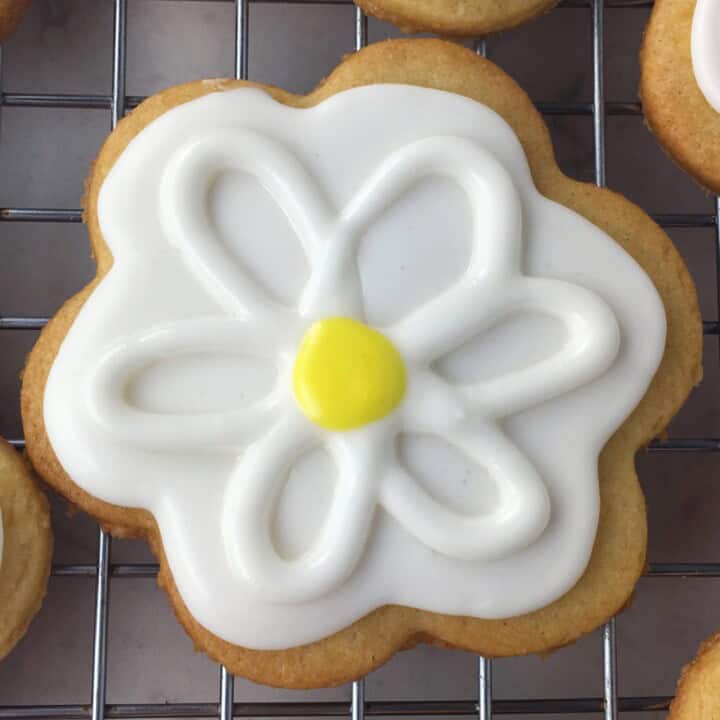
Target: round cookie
pixel 698 692
pixel 26 547
pixel 11 13
pixel 617 555
pixel 676 108
pixel 461 18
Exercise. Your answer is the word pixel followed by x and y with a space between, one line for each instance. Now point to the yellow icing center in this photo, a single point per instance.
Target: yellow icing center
pixel 346 374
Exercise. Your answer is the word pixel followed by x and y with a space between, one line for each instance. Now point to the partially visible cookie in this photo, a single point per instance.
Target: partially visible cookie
pixel 11 13
pixel 461 18
pixel 698 690
pixel 680 84
pixel 25 546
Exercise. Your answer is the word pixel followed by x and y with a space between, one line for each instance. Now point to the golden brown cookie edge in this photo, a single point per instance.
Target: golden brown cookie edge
pixel 619 555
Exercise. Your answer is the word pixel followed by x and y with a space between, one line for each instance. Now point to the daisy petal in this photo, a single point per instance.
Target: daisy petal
pixel 184 210
pixel 110 403
pixel 496 209
pixel 415 250
pixel 249 509
pixel 518 517
pixel 592 344
pixel 488 185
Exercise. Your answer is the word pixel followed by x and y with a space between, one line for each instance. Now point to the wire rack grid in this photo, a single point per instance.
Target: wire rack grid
pixel 484 707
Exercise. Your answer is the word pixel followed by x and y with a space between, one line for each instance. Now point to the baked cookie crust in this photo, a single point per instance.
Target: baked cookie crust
pixel 677 112
pixel 698 691
pixel 462 18
pixel 11 13
pixel 618 557
pixel 27 547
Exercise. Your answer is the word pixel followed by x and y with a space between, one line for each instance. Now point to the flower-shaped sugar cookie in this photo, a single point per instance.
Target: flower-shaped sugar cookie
pixel 350 372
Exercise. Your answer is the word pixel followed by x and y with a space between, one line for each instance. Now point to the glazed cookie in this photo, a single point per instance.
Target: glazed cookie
pixel 463 18
pixel 351 363
pixel 698 691
pixel 680 84
pixel 11 13
pixel 25 547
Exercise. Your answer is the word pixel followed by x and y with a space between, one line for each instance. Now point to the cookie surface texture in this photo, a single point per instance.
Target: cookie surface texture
pixel 462 18
pixel 680 85
pixel 26 547
pixel 698 692
pixel 11 13
pixel 262 254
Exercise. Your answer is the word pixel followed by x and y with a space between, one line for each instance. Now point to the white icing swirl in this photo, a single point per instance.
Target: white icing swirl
pixel 213 478
pixel 706 49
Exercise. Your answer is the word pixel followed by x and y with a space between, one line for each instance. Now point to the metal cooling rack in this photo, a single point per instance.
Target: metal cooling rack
pixel 484 707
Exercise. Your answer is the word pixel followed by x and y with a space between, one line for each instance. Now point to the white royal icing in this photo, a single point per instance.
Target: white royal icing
pixel 705 46
pixel 528 335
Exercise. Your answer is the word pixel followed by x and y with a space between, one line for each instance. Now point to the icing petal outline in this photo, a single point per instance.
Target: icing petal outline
pixel 106 388
pixel 253 492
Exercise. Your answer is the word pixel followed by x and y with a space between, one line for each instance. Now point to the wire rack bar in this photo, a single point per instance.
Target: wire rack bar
pixel 104 102
pixel 598 106
pixel 485 709
pixel 102 592
pixel 99 661
pixel 610 695
pixel 680 220
pixel 132 570
pixel 227 695
pixel 357 700
pixel 40 215
pixel 695 445
pixel 395 708
pixel 242 25
pixel 119 64
pixel 610 698
pixel 684 570
pixel 23 323
pixel 361 29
